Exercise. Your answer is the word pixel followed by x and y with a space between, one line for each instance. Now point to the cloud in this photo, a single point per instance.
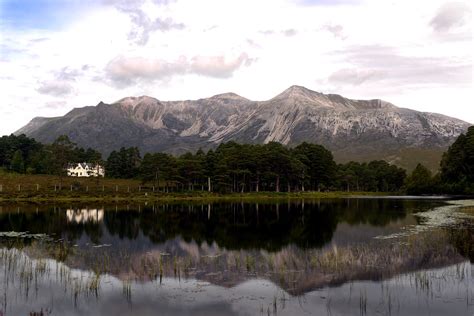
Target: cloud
pixel 143 25
pixel 128 70
pixel 290 32
pixel 55 104
pixel 377 63
pixel 267 32
pixel 55 88
pixel 252 43
pixel 451 15
pixel 9 51
pixel 62 81
pixel 355 76
pixel 218 66
pixel 68 74
pixel 39 40
pixel 336 30
pixel 326 2
pixel 134 3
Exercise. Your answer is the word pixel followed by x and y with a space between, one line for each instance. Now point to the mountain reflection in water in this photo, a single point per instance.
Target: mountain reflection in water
pixel 295 247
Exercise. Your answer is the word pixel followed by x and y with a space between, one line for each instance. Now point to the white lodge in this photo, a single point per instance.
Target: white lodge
pixel 85 170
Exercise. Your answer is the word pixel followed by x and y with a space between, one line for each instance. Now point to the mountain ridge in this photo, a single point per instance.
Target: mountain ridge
pixel 350 128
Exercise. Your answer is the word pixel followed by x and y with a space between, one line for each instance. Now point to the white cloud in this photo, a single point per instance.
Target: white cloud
pixel 124 71
pixel 143 24
pixel 355 76
pixel 55 88
pixel 290 32
pixel 451 15
pixel 336 30
pixel 388 64
pixel 55 104
pixel 218 66
pixel 130 70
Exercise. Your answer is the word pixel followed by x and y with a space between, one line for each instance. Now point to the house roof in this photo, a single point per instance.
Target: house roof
pixel 83 165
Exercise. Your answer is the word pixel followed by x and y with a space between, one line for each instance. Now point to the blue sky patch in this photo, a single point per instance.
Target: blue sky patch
pixel 38 14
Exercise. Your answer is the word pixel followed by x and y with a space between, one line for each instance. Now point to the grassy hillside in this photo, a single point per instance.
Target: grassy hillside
pixel 406 158
pixel 21 185
pixel 17 187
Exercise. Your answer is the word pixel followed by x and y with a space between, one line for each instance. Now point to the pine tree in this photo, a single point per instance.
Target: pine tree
pixel 18 164
pixel 457 165
pixel 420 181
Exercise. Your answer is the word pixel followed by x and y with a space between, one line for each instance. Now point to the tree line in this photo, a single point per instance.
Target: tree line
pixel 456 172
pixel 234 167
pixel 25 155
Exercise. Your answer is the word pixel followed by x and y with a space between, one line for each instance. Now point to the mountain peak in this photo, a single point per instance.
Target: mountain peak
pixel 295 89
pixel 134 101
pixel 299 93
pixel 228 96
pixel 35 123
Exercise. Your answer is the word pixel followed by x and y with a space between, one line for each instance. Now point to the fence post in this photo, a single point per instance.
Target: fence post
pixel 19 187
pixel 103 188
pixel 71 187
pixel 37 187
pixel 1 187
pixel 87 188
pixel 128 189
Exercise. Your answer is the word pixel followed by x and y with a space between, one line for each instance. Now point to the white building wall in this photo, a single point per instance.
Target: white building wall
pixel 79 171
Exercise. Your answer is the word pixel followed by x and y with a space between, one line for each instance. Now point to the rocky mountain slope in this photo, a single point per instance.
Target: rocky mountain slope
pixel 352 129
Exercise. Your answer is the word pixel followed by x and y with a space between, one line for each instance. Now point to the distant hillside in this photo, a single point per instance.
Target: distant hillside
pixel 353 129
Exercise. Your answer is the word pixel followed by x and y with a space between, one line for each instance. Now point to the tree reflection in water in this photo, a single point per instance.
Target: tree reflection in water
pixel 267 226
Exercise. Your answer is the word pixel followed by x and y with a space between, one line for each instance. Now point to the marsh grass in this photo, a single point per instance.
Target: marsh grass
pixel 467 209
pixel 295 270
pixel 127 290
pixel 363 303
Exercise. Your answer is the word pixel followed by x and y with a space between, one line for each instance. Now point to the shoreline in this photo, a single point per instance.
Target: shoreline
pixel 191 196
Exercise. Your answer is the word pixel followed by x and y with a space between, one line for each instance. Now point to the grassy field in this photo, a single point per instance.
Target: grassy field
pixel 406 158
pixel 18 187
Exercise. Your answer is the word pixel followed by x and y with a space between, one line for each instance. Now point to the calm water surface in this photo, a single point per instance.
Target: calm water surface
pixel 302 257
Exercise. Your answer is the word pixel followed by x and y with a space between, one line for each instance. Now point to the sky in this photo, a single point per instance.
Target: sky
pixel 56 55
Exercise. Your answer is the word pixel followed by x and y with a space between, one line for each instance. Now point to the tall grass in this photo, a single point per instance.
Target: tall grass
pixel 295 270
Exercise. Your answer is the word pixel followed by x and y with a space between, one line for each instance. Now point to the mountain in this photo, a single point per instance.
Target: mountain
pixel 352 129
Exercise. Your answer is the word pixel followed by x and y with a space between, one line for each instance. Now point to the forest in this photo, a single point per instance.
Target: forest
pixel 235 168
